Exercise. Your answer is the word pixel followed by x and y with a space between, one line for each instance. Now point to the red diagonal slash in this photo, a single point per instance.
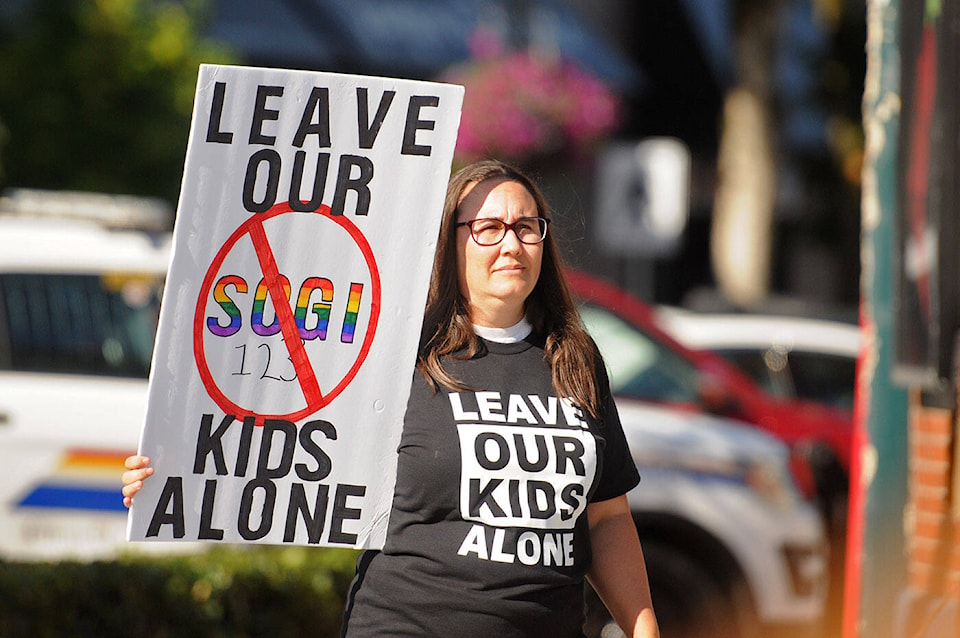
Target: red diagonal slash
pixel 288 326
pixel 306 376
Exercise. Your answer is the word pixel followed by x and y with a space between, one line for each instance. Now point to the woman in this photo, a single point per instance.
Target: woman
pixel 512 468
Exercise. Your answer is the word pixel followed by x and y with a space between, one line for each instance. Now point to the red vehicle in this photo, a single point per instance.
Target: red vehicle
pixel 646 364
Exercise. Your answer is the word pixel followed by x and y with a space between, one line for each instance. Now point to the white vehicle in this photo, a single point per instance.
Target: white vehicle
pixel 792 357
pixel 732 547
pixel 78 308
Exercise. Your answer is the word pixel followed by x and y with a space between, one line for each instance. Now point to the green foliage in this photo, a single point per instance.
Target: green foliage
pixel 97 94
pixel 227 592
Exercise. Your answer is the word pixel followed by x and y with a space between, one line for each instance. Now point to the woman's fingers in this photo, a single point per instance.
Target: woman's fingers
pixel 138 469
pixel 136 461
pixel 132 476
pixel 129 490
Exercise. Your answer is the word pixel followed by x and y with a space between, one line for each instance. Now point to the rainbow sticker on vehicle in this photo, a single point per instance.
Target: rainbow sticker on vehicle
pixel 87 480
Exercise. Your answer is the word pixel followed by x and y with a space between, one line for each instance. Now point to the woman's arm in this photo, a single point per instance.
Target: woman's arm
pixel 618 573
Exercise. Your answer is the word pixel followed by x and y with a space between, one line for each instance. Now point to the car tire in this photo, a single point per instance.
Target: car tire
pixel 686 598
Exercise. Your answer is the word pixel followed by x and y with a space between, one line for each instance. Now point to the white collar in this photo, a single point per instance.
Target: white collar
pixel 516 332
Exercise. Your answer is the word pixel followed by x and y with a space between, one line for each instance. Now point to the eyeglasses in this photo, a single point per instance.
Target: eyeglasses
pixel 489 231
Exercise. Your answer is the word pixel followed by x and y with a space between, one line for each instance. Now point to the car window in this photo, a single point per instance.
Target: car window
pixel 640 367
pixel 89 324
pixel 768 369
pixel 799 374
pixel 823 377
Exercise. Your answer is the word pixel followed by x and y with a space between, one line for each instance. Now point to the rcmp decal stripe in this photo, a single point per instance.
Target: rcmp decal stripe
pixel 87 480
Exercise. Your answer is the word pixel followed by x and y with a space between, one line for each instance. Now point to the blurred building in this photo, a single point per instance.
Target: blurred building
pixel 802 61
pixel 675 65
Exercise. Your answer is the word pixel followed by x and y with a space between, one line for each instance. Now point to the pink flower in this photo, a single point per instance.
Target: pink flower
pixel 518 106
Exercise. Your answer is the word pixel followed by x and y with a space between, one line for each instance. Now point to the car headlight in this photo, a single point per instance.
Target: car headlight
pixel 768 477
pixel 772 481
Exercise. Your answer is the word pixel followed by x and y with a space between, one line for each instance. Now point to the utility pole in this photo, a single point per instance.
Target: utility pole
pixel 876 565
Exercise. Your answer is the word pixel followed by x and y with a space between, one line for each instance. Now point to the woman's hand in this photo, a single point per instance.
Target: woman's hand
pixel 138 469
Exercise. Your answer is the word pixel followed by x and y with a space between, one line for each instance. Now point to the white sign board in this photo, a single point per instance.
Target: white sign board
pixel 643 197
pixel 288 331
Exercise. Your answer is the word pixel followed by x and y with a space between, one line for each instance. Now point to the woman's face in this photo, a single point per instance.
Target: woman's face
pixel 496 280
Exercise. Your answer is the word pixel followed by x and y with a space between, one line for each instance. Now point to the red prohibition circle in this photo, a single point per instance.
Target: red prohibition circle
pixel 315 399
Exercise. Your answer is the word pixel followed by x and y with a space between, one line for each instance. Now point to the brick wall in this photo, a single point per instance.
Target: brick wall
pixel 932 525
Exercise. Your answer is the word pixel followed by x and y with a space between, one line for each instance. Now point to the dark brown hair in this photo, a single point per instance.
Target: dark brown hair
pixel 447 330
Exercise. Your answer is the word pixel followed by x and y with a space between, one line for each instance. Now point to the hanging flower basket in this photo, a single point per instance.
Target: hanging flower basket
pixel 520 107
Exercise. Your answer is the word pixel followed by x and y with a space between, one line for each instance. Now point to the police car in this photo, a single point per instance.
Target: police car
pixel 734 544
pixel 733 549
pixel 80 282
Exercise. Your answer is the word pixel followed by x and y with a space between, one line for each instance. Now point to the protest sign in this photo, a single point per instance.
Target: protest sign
pixel 288 331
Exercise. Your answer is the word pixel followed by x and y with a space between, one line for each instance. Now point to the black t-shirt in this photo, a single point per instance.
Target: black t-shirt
pixel 488 532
